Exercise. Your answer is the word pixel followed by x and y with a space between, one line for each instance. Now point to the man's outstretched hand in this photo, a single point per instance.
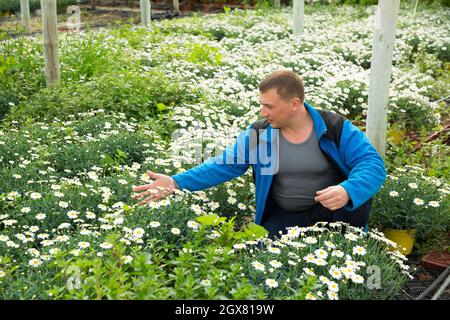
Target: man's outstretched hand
pixel 333 198
pixel 162 186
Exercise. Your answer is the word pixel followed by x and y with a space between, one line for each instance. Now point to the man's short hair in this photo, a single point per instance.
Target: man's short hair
pixel 288 84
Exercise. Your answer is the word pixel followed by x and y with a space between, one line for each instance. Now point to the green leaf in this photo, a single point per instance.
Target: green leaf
pixel 255 231
pixel 161 107
pixel 210 220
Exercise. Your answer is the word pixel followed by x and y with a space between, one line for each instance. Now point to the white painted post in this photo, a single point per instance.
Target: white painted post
pixel 176 5
pixel 414 3
pixel 277 4
pixel 25 14
pixel 145 12
pixel 299 16
pixel 49 26
pixel 380 72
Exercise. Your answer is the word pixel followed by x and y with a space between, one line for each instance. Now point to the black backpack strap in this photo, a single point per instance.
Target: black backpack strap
pixel 258 125
pixel 334 123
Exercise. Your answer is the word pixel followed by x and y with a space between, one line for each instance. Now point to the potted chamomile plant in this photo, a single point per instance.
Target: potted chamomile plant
pixel 410 206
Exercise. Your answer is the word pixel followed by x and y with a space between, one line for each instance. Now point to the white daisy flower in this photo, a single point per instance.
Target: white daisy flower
pixel 175 231
pixel 433 204
pixel 330 245
pixel 274 250
pixel 72 214
pixel 320 262
pixel 310 258
pixel 310 240
pixel 359 250
pixel 333 286
pixel 83 244
pixel 155 224
pixel 35 262
pixel 309 272
pixel 271 283
pixel 356 278
pixel 193 225
pixel 35 195
pixel 106 245
pixel 240 246
pixel 90 215
pixel 393 194
pixel 418 201
pixel 335 273
pixel 63 204
pixel 205 283
pixel 351 236
pixel 54 251
pixel 138 232
pixel 196 208
pixel 332 295
pixel 310 296
pixel 337 254
pixel 258 266
pixel 321 254
pixel 127 259
pixel 40 216
pixel 275 264
pixel 324 280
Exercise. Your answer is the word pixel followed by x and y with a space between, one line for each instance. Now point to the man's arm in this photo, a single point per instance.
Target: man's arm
pixel 367 170
pixel 233 162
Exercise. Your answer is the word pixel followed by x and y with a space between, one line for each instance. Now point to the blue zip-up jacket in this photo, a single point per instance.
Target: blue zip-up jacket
pixel 359 162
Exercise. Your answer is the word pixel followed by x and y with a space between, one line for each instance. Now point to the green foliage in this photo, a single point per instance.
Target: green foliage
pixel 432 156
pixel 21 75
pixel 135 94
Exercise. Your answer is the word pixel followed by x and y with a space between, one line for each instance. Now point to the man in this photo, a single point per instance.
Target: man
pixel 320 168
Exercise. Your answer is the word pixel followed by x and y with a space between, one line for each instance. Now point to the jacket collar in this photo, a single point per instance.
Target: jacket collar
pixel 319 125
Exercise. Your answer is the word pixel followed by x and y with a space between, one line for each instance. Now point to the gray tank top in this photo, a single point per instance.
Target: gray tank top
pixel 303 170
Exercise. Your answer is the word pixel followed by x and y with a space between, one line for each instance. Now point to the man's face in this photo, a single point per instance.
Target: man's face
pixel 277 111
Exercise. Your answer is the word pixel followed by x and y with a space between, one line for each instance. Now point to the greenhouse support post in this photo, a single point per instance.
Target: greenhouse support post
pixel 49 27
pixel 25 14
pixel 299 16
pixel 145 12
pixel 277 4
pixel 380 72
pixel 176 5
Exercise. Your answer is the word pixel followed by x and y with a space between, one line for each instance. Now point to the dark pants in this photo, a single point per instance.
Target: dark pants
pixel 276 219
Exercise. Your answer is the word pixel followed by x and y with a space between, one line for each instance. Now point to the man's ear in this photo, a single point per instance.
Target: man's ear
pixel 296 103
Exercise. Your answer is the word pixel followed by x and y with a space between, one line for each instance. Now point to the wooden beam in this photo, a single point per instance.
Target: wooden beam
pixel 49 27
pixel 380 72
pixel 25 14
